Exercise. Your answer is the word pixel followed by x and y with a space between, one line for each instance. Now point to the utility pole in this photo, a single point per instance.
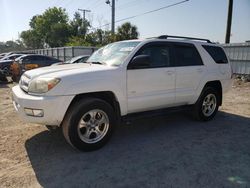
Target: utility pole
pixel 112 15
pixel 229 21
pixel 83 16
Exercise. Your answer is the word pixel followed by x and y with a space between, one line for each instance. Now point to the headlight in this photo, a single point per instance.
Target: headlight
pixel 42 85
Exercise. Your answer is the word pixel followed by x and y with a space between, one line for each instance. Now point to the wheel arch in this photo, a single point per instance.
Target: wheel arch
pixel 107 96
pixel 216 84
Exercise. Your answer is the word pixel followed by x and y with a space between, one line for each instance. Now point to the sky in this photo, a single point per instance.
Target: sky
pixel 194 18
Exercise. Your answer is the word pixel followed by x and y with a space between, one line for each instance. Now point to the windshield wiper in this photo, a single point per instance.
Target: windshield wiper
pixel 97 62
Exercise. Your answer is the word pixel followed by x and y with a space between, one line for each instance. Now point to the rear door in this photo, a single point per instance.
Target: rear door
pixel 189 71
pixel 32 62
pixel 152 87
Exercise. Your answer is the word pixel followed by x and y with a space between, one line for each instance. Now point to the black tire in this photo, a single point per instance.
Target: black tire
pixel 6 70
pixel 3 78
pixel 75 115
pixel 199 113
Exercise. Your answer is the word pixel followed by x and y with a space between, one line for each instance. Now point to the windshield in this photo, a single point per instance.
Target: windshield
pixel 113 54
pixel 19 58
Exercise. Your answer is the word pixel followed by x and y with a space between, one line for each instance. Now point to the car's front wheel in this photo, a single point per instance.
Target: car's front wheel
pixel 207 105
pixel 89 124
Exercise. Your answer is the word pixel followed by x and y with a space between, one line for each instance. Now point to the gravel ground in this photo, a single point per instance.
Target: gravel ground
pixel 165 151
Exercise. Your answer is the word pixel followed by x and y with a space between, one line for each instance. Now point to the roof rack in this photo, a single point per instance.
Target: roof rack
pixel 180 37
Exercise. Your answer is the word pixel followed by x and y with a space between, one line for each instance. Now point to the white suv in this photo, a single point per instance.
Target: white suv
pixel 122 79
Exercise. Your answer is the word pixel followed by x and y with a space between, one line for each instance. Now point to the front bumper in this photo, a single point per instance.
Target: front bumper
pixel 54 107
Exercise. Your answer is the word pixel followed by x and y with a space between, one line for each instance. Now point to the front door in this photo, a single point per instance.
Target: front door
pixel 152 87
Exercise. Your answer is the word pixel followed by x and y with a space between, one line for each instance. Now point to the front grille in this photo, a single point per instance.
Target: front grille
pixel 24 82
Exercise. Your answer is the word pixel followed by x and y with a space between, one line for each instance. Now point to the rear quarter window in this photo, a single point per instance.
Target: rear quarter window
pixel 217 53
pixel 187 55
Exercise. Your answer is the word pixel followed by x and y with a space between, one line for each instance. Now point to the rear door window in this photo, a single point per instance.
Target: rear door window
pixel 49 60
pixel 217 53
pixel 186 55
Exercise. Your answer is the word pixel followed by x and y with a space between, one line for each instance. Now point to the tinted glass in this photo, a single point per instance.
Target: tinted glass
pixel 39 58
pixel 15 56
pixel 187 55
pixel 159 55
pixel 217 54
pixel 48 58
pixel 31 58
pixel 83 60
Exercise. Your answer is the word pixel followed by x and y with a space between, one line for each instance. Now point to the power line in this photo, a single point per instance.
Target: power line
pixel 66 4
pixel 148 12
pixel 92 4
pixel 127 4
pixel 124 5
pixel 168 6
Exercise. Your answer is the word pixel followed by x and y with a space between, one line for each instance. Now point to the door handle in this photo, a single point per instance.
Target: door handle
pixel 170 72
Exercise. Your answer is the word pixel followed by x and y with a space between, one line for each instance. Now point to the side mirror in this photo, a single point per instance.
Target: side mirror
pixel 140 61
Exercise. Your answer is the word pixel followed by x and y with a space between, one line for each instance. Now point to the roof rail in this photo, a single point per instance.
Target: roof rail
pixel 180 37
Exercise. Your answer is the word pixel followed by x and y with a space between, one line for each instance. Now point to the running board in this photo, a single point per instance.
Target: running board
pixel 152 113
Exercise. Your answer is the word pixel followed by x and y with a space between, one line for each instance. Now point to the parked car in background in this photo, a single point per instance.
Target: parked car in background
pixel 28 62
pixel 77 59
pixel 2 76
pixel 11 57
pixel 6 62
pixel 2 55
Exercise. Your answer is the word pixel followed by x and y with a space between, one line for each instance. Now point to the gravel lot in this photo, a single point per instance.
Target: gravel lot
pixel 166 151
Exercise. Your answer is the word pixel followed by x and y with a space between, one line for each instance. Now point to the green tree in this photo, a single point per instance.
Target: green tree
pixel 31 39
pixel 78 27
pixel 97 38
pixel 77 41
pixel 11 46
pixel 51 28
pixel 127 31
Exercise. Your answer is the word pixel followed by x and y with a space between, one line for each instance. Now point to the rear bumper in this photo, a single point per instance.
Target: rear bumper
pixel 54 107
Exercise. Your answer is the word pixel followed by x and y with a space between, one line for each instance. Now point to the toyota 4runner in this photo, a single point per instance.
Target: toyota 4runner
pixel 123 78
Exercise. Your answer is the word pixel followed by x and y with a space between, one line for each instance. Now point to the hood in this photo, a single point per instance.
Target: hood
pixel 66 70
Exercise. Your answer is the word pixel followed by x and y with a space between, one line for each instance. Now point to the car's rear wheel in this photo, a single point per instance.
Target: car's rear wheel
pixel 89 124
pixel 207 105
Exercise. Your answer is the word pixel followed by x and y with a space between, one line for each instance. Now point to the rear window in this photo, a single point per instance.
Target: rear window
pixel 216 53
